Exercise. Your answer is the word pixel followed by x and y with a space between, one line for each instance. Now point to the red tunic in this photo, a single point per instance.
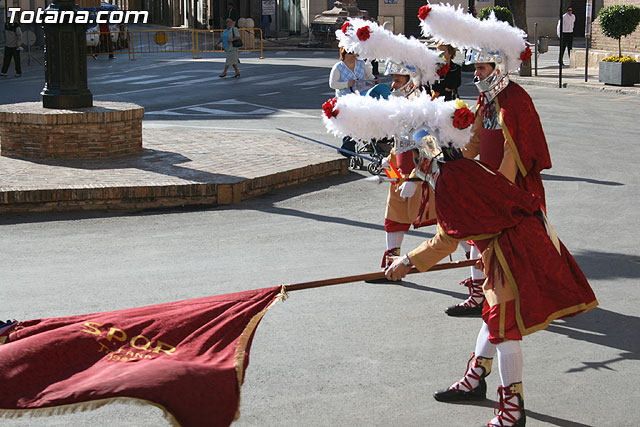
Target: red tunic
pixel 522 128
pixel 473 202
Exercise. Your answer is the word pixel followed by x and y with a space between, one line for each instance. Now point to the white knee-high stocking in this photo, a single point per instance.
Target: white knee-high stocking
pixel 511 361
pixel 484 347
pixel 476 274
pixel 394 239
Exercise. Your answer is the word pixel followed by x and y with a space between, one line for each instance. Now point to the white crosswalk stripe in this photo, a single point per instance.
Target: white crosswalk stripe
pixel 126 79
pixel 166 79
pixel 284 80
pixel 323 80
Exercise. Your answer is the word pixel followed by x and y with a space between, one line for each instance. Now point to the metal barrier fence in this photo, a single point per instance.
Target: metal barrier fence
pixel 168 41
pixel 194 41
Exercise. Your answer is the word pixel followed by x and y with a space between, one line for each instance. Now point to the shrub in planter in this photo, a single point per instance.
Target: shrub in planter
pixel 619 21
pixel 621 71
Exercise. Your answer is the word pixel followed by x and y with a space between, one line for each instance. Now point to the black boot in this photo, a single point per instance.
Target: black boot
pixel 472 306
pixel 462 390
pixel 511 411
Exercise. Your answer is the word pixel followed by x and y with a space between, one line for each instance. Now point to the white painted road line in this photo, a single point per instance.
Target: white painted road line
pixel 323 80
pixel 126 79
pixel 166 79
pixel 285 80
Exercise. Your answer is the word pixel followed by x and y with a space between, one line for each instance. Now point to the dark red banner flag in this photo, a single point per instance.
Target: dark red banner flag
pixel 186 357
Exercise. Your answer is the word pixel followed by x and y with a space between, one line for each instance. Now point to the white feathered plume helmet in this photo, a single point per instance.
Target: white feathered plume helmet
pixel 371 41
pixel 494 38
pixel 365 118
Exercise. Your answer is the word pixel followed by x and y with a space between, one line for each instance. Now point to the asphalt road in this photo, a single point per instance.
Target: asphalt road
pixel 356 354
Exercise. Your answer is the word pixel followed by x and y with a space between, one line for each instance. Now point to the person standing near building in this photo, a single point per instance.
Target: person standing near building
pixel 105 38
pixel 268 10
pixel 13 43
pixel 568 20
pixel 232 13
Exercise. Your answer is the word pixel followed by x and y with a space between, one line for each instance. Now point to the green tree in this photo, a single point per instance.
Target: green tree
pixel 519 8
pixel 619 21
pixel 502 14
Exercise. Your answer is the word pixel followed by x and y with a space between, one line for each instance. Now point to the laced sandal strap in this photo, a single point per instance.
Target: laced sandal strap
pixel 484 365
pixel 389 253
pixel 508 405
pixel 466 281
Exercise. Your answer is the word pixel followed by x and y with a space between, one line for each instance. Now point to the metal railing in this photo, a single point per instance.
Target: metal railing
pixel 168 41
pixel 188 40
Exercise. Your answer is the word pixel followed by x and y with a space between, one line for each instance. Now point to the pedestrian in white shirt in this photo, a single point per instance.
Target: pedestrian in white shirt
pixel 568 20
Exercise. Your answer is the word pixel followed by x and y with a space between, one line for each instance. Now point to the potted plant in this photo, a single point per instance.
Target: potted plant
pixel 619 21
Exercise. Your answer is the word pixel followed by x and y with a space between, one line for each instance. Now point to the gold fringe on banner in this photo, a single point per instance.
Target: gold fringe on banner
pixel 244 341
pixel 84 406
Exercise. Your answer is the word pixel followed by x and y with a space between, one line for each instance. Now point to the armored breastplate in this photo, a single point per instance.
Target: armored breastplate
pixel 490 119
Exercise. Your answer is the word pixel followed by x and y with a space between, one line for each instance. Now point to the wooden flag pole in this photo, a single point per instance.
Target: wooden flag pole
pixel 372 276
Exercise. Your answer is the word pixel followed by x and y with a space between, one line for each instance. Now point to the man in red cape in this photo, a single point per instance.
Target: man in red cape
pixel 187 358
pixel 532 279
pixel 508 136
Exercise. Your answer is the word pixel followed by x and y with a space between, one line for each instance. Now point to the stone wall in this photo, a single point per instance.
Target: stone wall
pixel 109 129
pixel 630 44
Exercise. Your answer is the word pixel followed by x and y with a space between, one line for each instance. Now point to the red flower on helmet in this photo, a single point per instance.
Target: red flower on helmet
pixel 423 12
pixel 345 27
pixel 526 54
pixel 329 108
pixel 463 118
pixel 443 70
pixel 364 33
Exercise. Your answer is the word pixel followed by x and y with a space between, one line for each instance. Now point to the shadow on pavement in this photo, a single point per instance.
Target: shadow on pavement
pixel 607 265
pixel 488 403
pixel 602 327
pixel 547 177
pixel 412 285
pixel 149 160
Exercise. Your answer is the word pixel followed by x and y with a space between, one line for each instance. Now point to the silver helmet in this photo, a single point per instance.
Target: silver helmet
pixel 393 68
pixel 497 80
pixel 404 141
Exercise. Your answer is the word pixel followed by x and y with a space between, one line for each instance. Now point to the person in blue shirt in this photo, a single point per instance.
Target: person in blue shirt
pixel 230 34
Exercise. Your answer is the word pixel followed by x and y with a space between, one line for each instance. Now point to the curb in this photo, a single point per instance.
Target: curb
pixel 570 85
pixel 162 196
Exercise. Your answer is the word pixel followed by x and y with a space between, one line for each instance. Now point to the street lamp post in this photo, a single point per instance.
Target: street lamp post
pixel 65 66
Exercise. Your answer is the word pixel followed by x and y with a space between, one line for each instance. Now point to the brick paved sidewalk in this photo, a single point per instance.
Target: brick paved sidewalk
pixel 178 166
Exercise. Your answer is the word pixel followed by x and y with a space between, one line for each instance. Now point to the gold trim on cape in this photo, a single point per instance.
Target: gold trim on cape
pixel 471 237
pixel 578 308
pixel 512 143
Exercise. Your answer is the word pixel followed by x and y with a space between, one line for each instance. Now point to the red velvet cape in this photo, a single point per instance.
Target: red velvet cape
pixel 472 202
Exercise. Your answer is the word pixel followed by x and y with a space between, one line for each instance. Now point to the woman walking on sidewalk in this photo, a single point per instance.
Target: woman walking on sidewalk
pixel 13 41
pixel 230 34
